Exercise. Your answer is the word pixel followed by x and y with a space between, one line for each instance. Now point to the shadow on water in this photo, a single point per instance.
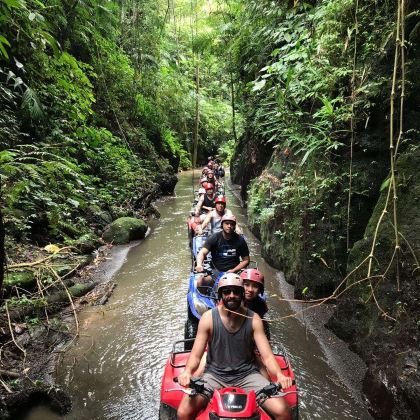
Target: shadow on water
pixel 115 368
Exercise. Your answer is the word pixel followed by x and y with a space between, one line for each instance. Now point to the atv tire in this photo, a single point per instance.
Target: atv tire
pixel 167 413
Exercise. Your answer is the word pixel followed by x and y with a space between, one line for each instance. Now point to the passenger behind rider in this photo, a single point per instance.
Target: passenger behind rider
pixel 230 332
pixel 214 217
pixel 196 221
pixel 254 289
pixel 212 179
pixel 217 169
pixel 206 202
pixel 229 252
pixel 200 193
pixel 203 177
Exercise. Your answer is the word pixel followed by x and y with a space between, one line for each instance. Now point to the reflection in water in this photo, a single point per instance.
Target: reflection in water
pixel 115 369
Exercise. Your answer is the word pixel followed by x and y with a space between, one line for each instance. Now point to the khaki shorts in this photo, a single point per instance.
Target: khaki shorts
pixel 254 381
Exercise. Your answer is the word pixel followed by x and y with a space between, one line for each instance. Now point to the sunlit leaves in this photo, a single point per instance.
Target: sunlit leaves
pixel 4 42
pixel 31 103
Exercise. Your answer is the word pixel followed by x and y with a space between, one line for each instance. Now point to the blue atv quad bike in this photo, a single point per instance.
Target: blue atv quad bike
pixel 199 300
pixel 198 243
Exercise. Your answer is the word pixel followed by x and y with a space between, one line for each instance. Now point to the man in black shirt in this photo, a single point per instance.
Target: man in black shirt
pixel 229 251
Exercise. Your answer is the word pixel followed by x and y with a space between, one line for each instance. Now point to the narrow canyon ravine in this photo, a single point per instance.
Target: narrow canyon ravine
pixel 114 370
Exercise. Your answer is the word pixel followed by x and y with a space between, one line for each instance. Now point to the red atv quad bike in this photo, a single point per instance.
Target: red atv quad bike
pixel 226 403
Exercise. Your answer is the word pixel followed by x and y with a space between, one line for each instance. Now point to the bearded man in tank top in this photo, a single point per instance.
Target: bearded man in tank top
pixel 231 333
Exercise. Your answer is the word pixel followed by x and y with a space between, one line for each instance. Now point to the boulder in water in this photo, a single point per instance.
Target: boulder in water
pixel 124 230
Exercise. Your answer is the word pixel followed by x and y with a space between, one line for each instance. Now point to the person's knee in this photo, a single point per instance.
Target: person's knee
pixel 205 281
pixel 184 411
pixel 189 407
pixel 278 408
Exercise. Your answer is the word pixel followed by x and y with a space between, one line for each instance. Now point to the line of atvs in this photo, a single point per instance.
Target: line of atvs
pixel 226 403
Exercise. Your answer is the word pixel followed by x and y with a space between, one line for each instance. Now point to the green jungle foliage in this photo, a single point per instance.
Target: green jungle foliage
pixel 312 76
pixel 97 100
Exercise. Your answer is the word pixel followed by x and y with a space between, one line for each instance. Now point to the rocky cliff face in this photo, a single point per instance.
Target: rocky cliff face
pixel 380 317
pixel 300 213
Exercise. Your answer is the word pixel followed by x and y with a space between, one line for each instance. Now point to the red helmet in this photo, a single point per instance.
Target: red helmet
pixel 254 275
pixel 208 186
pixel 220 199
pixel 204 171
pixel 228 218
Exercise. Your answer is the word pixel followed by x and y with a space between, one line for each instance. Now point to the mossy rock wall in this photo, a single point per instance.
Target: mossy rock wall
pixel 386 332
pixel 299 224
pixel 249 160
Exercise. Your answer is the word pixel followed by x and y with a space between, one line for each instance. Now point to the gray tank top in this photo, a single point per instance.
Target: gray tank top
pixel 231 355
pixel 216 221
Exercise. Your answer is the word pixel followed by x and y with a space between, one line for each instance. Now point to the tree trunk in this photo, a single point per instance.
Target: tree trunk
pixel 197 112
pixel 232 90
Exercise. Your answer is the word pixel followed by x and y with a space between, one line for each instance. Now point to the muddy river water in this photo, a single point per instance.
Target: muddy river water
pixel 114 370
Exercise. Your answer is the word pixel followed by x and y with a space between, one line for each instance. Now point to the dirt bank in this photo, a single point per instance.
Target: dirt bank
pixel 30 352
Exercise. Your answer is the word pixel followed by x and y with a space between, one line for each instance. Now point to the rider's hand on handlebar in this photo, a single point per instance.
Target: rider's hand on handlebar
pixel 184 379
pixel 199 268
pixel 284 381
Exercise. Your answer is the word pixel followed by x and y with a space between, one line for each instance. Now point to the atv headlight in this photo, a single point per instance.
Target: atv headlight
pixel 199 305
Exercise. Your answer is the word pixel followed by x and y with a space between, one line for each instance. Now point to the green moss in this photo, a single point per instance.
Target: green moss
pixel 298 223
pixel 23 278
pixel 124 230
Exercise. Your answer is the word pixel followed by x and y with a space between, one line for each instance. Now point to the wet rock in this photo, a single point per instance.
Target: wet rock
pixel 249 160
pixel 22 278
pixel 18 403
pixel 98 215
pixel 62 270
pixel 83 260
pixel 105 217
pixel 86 243
pixel 166 182
pixel 124 230
pixel 118 212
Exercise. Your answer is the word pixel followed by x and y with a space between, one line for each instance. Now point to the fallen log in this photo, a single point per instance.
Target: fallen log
pixel 9 373
pixel 54 302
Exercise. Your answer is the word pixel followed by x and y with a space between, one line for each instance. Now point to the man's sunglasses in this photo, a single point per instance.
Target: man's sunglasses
pixel 227 292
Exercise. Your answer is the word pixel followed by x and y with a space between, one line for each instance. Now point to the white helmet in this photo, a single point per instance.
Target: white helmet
pixel 229 280
pixel 201 191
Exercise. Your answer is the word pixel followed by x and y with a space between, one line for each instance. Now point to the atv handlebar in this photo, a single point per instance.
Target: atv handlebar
pixel 196 386
pixel 272 390
pixel 207 270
